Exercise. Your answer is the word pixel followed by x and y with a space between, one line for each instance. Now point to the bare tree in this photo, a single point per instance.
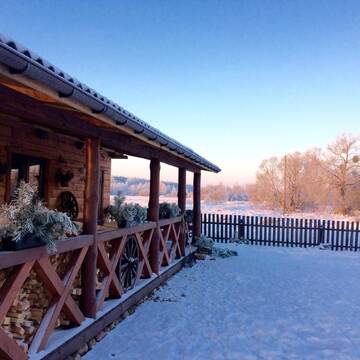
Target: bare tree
pixel 268 187
pixel 343 167
pixel 305 182
pixel 294 197
pixel 314 181
pixel 214 193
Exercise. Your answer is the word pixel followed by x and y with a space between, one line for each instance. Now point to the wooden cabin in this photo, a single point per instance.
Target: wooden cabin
pixel 59 135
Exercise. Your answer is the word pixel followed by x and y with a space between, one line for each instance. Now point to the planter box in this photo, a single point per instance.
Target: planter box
pixel 26 242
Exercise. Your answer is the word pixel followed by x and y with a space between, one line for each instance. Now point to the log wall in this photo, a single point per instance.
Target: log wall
pixel 60 152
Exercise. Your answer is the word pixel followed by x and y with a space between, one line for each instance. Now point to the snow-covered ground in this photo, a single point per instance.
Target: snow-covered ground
pixel 266 303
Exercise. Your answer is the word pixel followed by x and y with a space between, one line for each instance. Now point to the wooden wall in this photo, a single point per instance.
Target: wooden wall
pixel 5 136
pixel 60 152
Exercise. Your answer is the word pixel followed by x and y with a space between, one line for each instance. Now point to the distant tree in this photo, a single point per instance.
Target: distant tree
pixel 294 197
pixel 268 187
pixel 236 193
pixel 173 192
pixel 314 179
pixel 143 190
pixel 163 188
pixel 343 168
pixel 303 181
pixel 136 186
pixel 214 193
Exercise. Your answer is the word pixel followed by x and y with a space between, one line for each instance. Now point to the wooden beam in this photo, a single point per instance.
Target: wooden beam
pixel 197 205
pixel 9 349
pixel 78 125
pixel 61 299
pixel 153 213
pixel 14 258
pixel 182 205
pixel 91 200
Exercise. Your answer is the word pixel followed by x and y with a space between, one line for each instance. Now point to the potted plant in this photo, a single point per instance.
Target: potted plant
pixel 126 215
pixel 168 211
pixel 63 177
pixel 26 222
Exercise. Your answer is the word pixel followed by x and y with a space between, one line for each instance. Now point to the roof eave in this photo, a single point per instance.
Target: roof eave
pixel 22 61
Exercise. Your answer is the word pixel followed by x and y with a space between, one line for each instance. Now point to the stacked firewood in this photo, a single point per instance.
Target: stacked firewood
pixel 31 303
pixel 60 262
pixel 26 312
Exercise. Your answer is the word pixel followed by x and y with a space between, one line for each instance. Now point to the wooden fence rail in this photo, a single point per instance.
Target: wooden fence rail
pixel 290 232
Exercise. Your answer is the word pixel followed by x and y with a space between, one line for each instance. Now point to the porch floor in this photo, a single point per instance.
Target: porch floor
pixel 267 303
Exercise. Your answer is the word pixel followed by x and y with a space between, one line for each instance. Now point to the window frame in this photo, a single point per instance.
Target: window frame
pixel 31 159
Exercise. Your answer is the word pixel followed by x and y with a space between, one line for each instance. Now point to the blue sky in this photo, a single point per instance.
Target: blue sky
pixel 237 81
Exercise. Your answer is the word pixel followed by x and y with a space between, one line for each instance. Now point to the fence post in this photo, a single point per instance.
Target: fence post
pixel 241 229
pixel 321 234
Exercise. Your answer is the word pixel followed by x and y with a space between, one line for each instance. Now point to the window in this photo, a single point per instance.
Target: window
pixel 29 169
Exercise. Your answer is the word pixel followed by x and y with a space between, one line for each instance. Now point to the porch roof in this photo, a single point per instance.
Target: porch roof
pixel 22 61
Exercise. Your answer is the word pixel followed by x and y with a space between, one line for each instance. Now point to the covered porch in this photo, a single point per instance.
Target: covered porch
pixel 50 123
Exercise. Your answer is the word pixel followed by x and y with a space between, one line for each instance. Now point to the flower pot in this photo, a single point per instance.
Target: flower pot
pixel 26 242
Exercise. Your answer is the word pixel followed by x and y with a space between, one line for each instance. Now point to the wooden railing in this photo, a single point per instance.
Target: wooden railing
pixel 111 247
pixel 170 246
pixel 57 276
pixel 271 231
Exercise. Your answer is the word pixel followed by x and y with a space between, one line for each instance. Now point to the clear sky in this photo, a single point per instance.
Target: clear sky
pixel 237 81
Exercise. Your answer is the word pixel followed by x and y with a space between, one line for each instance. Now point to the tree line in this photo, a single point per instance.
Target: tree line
pixel 312 180
pixel 141 187
pixel 220 193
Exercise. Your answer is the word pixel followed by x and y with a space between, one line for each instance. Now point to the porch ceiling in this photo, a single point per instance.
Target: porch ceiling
pixel 33 89
pixel 15 104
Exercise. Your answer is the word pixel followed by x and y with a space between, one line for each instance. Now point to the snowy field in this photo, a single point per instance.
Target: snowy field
pixel 245 208
pixel 267 303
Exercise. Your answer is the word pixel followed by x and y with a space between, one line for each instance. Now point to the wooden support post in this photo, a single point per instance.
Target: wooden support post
pixel 153 214
pixel 182 206
pixel 7 194
pixel 197 205
pixel 91 200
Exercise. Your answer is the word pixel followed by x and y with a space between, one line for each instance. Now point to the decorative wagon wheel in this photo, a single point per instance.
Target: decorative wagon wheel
pixel 129 263
pixel 69 205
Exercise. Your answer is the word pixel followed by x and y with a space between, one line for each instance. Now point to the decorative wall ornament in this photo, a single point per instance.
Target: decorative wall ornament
pixel 63 177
